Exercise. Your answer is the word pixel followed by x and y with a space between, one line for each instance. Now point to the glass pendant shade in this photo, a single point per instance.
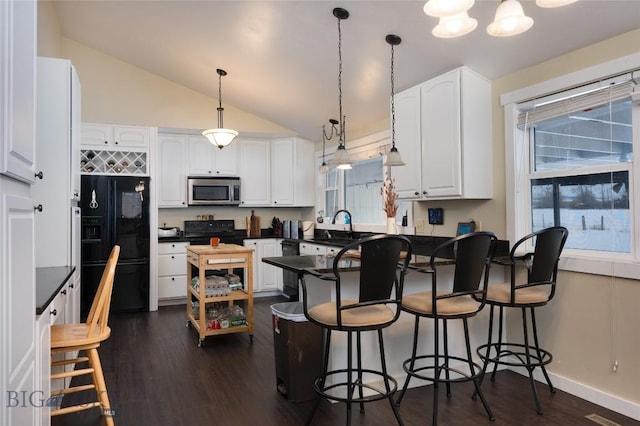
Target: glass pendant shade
pixel 554 3
pixel 324 168
pixel 440 8
pixel 454 26
pixel 393 158
pixel 220 137
pixel 341 158
pixel 509 20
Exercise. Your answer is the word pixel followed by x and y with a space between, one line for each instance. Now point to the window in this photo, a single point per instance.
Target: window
pixel 571 155
pixel 568 186
pixel 358 189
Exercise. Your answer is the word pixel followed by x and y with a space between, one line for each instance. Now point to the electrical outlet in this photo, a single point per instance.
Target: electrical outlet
pixel 420 226
pixel 478 225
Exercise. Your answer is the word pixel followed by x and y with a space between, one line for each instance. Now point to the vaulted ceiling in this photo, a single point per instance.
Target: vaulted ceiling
pixel 282 56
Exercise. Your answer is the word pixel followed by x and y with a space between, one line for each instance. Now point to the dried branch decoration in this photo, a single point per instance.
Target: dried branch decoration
pixel 389 197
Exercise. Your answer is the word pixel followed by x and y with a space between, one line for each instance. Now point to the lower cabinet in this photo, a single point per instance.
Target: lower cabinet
pixel 265 277
pixel 172 272
pixel 317 249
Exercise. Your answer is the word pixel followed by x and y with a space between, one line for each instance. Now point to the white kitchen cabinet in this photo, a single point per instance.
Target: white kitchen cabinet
pixel 172 274
pixel 17 89
pixel 265 277
pixel 254 170
pixel 452 130
pixel 58 165
pixel 310 248
pixel 18 338
pixel 115 137
pixel 292 172
pixel 208 160
pixel 171 176
pixel 277 172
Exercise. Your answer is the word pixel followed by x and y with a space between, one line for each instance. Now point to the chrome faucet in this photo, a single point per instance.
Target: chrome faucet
pixel 333 221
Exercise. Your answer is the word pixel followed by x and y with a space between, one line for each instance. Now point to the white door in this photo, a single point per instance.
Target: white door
pixel 172 176
pixel 254 171
pixel 408 177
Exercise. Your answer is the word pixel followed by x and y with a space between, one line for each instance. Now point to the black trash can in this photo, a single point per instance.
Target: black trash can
pixel 297 345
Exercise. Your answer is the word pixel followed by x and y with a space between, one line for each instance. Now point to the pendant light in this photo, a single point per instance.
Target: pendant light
pixel 341 157
pixel 440 8
pixel 220 137
pixel 393 156
pixel 324 167
pixel 509 20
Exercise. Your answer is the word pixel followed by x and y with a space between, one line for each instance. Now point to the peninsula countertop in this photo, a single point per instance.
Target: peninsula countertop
pixel 49 281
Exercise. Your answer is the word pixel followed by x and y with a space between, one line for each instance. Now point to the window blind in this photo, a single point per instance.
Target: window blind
pixel 577 99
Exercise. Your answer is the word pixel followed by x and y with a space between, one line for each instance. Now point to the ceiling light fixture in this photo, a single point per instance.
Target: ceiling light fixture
pixel 324 167
pixel 554 3
pixel 509 20
pixel 220 137
pixel 341 157
pixel 393 156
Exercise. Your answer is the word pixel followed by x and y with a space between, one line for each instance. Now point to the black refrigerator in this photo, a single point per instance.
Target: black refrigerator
pixel 115 210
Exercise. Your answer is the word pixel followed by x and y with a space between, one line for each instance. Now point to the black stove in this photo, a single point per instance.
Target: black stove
pixel 198 232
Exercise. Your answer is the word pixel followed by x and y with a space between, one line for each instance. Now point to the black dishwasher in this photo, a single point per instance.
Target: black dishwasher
pixel 290 279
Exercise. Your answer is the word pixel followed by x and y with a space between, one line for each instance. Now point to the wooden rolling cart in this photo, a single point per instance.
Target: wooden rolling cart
pixel 224 256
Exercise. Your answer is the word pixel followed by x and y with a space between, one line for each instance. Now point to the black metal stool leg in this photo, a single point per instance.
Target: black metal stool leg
pixel 499 344
pixel 359 349
pixel 528 365
pixel 487 353
pixel 436 370
pixel 383 364
pixel 350 388
pixel 446 357
pixel 413 360
pixel 539 352
pixel 472 369
pixel 319 383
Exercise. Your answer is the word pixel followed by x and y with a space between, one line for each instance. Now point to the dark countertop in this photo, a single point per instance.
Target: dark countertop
pixel 49 281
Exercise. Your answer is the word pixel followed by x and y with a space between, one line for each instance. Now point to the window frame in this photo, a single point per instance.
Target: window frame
pixel 518 157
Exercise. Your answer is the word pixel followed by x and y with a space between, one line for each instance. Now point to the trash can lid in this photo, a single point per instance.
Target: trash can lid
pixel 291 311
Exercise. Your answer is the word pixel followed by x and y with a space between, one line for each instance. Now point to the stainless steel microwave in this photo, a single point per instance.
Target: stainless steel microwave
pixel 203 191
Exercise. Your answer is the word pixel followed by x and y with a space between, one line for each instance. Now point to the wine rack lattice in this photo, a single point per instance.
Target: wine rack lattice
pixel 113 162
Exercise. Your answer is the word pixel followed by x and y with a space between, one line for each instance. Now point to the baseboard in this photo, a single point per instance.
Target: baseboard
pixel 596 396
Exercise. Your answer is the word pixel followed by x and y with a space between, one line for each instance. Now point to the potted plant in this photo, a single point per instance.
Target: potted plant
pixel 389 197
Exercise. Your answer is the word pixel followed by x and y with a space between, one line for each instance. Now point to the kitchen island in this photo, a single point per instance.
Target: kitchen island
pixel 398 336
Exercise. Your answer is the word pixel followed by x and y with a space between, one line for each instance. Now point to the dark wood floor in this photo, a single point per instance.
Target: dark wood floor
pixel 157 376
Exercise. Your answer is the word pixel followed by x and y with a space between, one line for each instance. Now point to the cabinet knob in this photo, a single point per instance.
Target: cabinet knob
pixel 173 245
pixel 64 292
pixel 76 194
pixel 39 175
pixel 106 142
pixel 416 193
pixel 116 142
pixel 173 279
pixel 71 285
pixel 173 257
pixel 38 207
pixel 54 312
pixel 424 192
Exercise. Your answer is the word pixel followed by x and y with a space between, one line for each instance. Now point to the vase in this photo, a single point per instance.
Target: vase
pixel 392 228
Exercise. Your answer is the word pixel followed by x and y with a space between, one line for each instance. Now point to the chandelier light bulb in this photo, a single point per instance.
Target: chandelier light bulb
pixel 440 8
pixel 454 26
pixel 554 3
pixel 509 20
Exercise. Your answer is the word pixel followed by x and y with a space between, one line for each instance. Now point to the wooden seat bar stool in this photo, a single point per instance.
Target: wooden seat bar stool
pixel 446 300
pixel 537 290
pixel 383 263
pixel 86 337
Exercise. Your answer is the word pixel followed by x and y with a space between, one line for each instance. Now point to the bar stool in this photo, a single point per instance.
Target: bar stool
pixel 383 263
pixel 461 298
pixel 87 337
pixel 538 290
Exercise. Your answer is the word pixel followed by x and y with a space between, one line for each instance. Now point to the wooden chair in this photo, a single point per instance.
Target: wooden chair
pixel 86 337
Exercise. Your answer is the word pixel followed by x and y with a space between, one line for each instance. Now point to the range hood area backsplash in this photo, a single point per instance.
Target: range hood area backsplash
pixel 176 217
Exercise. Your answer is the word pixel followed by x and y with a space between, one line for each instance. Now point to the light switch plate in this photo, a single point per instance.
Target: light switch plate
pixel 436 216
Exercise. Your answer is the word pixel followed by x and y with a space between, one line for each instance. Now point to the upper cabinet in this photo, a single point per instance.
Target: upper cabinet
pixel 254 170
pixel 443 130
pixel 17 90
pixel 208 160
pixel 276 172
pixel 172 166
pixel 116 138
